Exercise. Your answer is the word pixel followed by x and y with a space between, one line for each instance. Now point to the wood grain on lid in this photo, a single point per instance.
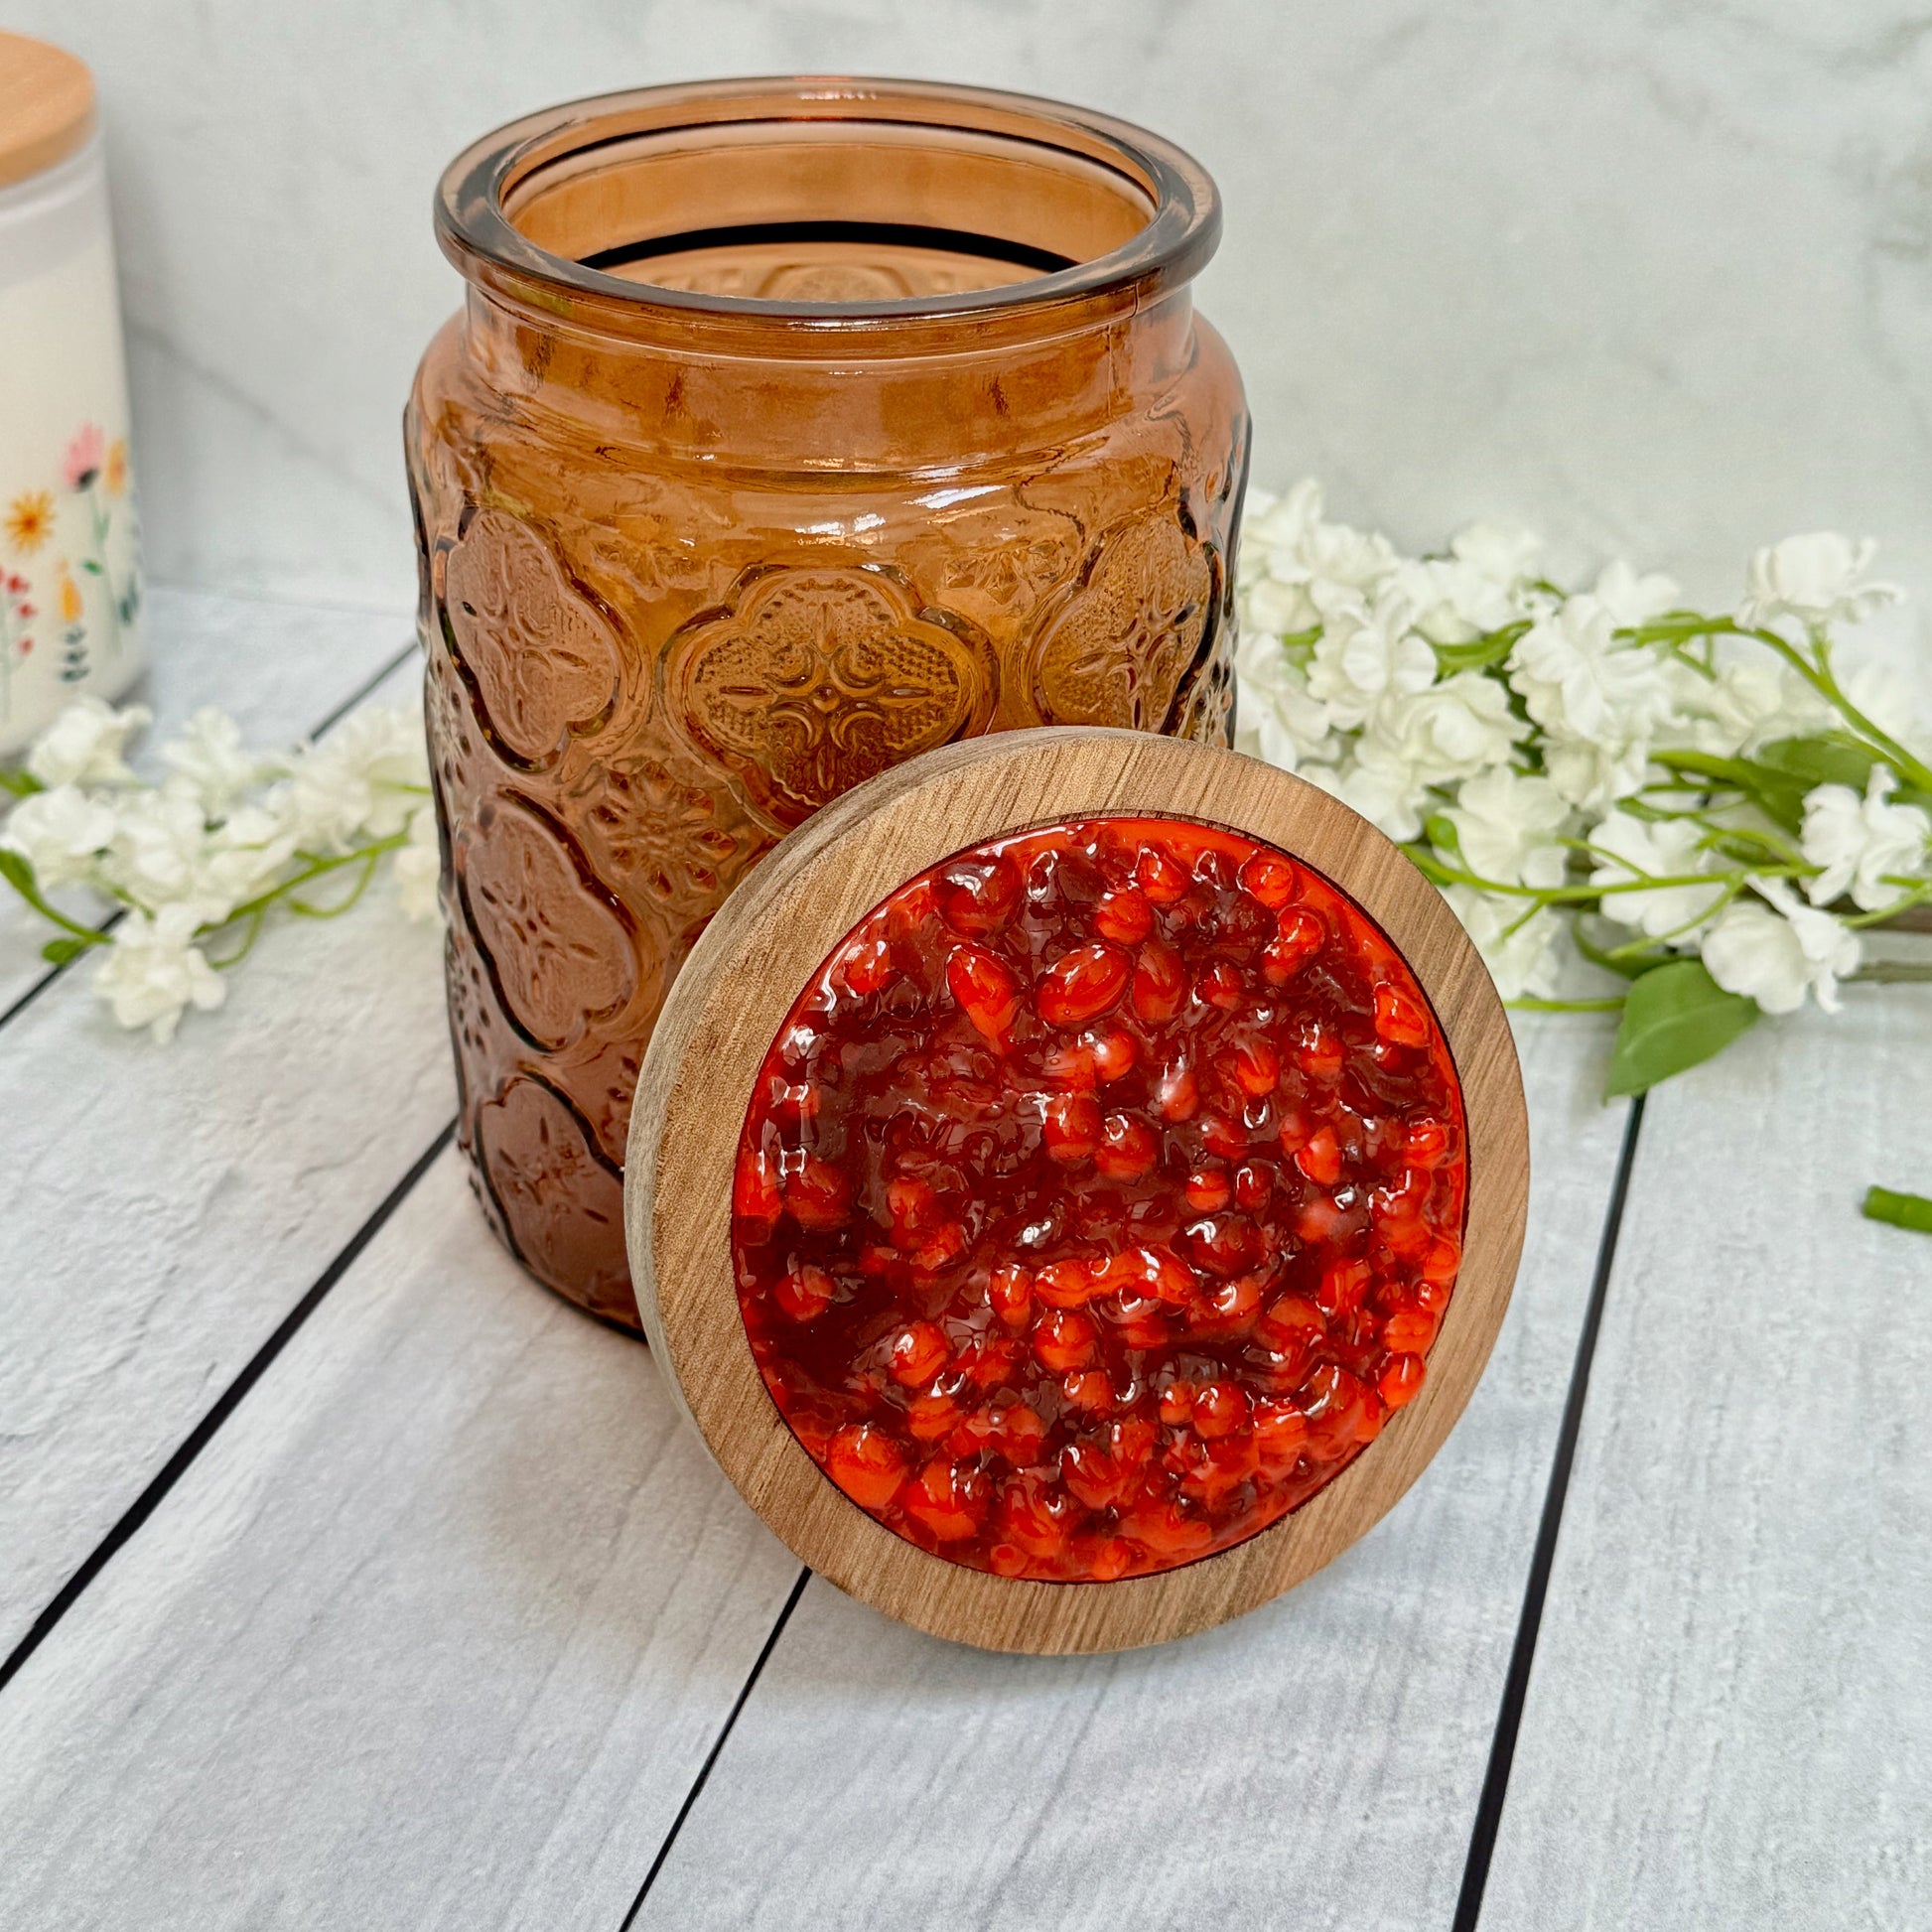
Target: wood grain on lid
pixel 47 106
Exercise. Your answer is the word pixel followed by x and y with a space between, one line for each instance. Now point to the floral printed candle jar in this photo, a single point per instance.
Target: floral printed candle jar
pixel 791 429
pixel 70 575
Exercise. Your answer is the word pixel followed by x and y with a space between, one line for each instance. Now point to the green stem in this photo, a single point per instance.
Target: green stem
pixel 1613 961
pixel 1821 680
pixel 1897 1210
pixel 1519 923
pixel 1586 895
pixel 1432 869
pixel 1688 625
pixel 247 946
pixel 1480 654
pixel 314 868
pixel 372 855
pixel 254 911
pixel 1916 892
pixel 1680 650
pixel 20 876
pixel 1616 956
pixel 1717 835
pixel 1894 972
pixel 1795 864
pixel 99 520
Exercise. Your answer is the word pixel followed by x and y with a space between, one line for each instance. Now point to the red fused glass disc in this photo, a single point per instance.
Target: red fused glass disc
pixel 1100 1196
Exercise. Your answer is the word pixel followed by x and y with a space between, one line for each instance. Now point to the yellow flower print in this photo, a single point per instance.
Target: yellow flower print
pixel 116 476
pixel 30 520
pixel 70 605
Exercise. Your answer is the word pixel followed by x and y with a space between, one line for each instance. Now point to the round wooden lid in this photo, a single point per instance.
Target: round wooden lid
pixel 47 106
pixel 736 991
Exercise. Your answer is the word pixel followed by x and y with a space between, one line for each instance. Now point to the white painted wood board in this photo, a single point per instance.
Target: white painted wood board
pixel 1314 1764
pixel 1730 1717
pixel 164 1207
pixel 435 1633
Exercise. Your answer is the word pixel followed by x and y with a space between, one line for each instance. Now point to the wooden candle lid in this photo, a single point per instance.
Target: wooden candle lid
pixel 47 106
pixel 736 989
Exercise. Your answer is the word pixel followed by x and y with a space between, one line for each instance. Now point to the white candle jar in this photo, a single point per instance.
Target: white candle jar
pixel 70 569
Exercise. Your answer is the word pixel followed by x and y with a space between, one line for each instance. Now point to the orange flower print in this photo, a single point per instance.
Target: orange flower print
pixel 70 605
pixel 115 473
pixel 30 520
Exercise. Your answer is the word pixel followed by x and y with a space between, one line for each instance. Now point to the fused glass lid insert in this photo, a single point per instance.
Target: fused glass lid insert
pixel 1099 1198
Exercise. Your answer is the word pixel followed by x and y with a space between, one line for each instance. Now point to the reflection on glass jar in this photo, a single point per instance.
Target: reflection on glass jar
pixel 789 430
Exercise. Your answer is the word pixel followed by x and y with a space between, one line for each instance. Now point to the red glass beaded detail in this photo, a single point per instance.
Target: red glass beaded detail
pixel 1099 1198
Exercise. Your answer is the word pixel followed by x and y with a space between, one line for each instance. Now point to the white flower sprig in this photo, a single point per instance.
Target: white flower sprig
pixel 1698 803
pixel 199 861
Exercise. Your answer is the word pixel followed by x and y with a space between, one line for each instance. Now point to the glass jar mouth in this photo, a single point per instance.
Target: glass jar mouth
pixel 860 203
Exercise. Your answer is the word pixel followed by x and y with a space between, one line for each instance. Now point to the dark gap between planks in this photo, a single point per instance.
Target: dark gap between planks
pixel 1509 1716
pixel 178 1464
pixel 327 724
pixel 1516 1685
pixel 711 1756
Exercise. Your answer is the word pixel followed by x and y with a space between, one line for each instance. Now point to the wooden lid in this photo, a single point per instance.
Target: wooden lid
pixel 47 106
pixel 734 993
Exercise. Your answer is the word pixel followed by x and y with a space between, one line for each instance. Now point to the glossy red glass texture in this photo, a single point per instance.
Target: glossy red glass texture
pixel 1100 1197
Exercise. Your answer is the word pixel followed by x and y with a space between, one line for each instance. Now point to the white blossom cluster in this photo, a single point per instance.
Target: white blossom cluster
pixel 227 833
pixel 1518 739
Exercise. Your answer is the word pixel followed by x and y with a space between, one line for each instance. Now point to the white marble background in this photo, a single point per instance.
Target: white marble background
pixel 1655 274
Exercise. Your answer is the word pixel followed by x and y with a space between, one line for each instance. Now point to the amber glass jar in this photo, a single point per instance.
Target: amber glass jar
pixel 789 429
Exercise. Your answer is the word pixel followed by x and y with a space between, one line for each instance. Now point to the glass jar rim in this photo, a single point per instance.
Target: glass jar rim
pixel 479 235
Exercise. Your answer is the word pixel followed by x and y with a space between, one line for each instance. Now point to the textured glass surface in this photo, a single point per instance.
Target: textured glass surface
pixel 916 436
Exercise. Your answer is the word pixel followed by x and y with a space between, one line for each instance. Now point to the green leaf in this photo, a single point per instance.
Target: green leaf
pixel 1821 758
pixel 1897 1210
pixel 18 871
pixel 90 566
pixel 1832 759
pixel 19 874
pixel 1780 793
pixel 56 952
pixel 1674 1017
pixel 1441 832
pixel 18 780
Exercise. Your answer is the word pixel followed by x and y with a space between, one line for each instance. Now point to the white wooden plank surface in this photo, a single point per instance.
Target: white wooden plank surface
pixel 1314 1764
pixel 436 1632
pixel 164 1208
pixel 278 668
pixel 1730 1717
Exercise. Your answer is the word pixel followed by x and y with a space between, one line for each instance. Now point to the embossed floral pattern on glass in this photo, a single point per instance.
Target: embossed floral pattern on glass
pixel 788 430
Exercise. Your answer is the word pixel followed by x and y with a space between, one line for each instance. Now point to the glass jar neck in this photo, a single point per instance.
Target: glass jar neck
pixel 934 396
pixel 827 273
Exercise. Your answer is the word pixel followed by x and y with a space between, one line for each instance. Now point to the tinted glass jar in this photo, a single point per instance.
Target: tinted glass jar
pixel 789 429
